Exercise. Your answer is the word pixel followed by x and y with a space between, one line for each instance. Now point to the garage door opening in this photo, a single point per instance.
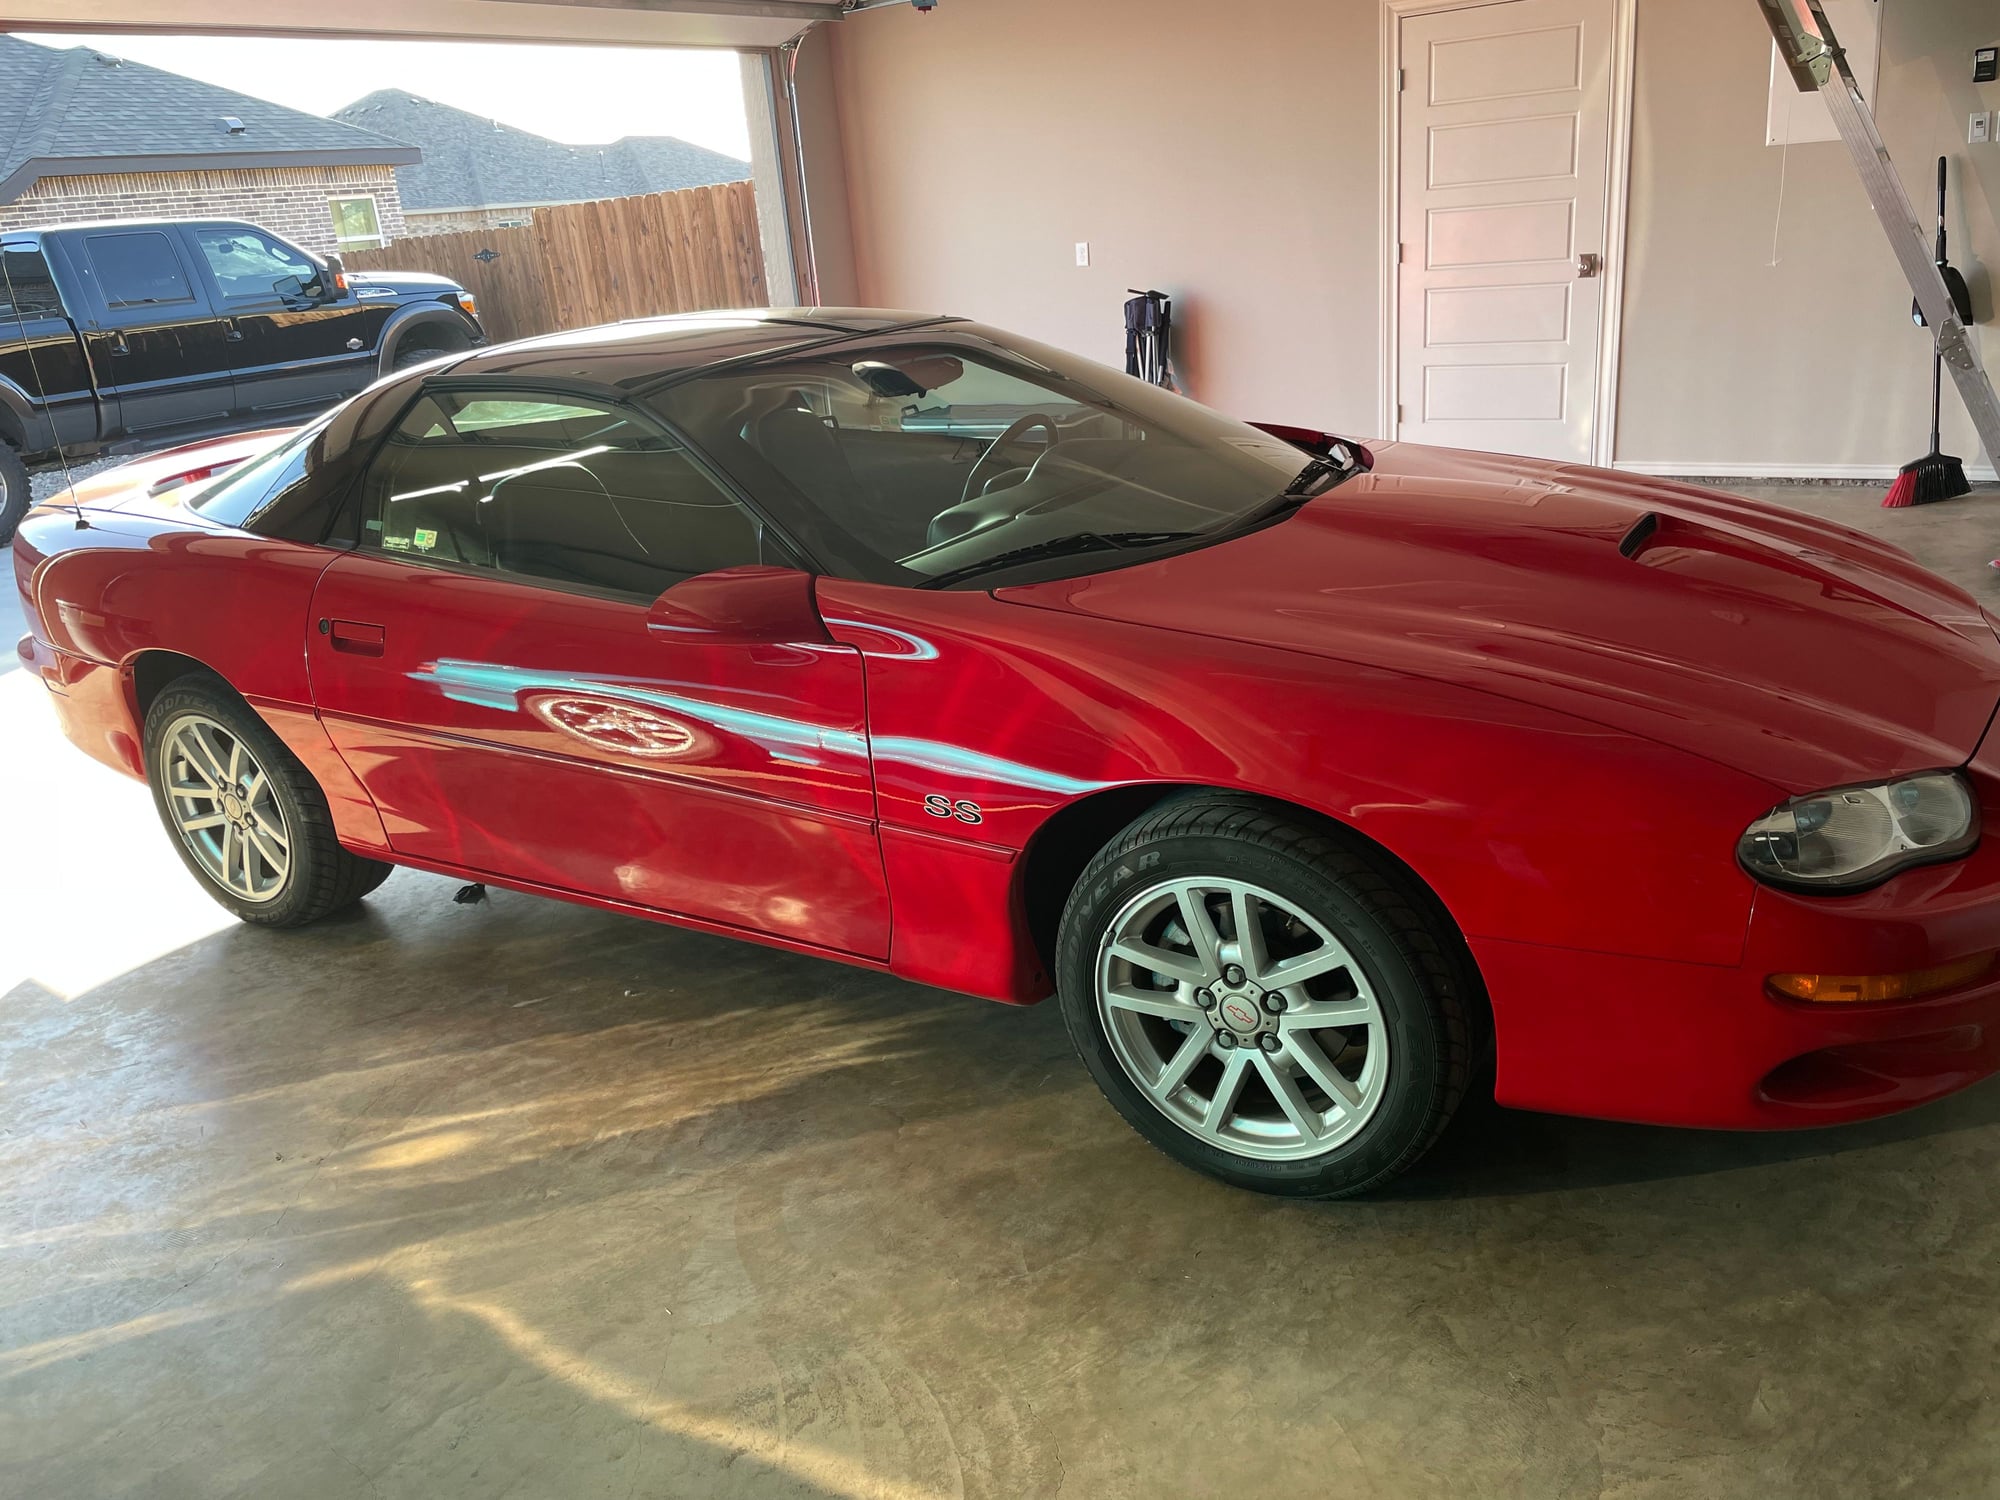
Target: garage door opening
pixel 561 186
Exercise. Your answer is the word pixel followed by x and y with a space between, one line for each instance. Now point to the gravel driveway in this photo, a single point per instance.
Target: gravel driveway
pixel 44 484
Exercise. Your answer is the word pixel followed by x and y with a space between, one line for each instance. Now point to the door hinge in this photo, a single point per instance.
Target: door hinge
pixel 1399 413
pixel 1402 80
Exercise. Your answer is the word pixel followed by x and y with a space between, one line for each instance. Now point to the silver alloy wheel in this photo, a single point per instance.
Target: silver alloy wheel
pixel 224 809
pixel 1242 1018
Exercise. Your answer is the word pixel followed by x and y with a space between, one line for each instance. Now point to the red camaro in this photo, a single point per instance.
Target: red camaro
pixel 1310 778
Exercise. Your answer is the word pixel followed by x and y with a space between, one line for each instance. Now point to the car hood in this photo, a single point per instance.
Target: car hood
pixel 402 283
pixel 1784 646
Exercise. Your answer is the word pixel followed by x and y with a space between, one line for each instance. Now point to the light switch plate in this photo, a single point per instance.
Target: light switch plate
pixel 1979 130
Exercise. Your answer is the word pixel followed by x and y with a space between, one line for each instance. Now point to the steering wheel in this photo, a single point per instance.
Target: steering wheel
pixel 987 468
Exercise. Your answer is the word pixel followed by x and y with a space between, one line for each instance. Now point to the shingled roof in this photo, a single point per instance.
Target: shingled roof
pixel 78 112
pixel 475 163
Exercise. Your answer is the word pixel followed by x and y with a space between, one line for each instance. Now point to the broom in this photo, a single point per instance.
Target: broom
pixel 1937 475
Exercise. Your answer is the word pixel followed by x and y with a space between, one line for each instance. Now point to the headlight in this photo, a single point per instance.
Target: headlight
pixel 1861 835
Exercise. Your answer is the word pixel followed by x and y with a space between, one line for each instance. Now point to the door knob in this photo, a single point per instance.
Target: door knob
pixel 1589 264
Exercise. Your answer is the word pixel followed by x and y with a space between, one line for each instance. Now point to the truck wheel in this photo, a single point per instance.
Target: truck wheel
pixel 410 358
pixel 1265 1003
pixel 249 820
pixel 14 493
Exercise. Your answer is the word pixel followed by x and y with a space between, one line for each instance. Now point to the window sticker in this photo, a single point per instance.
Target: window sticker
pixel 425 539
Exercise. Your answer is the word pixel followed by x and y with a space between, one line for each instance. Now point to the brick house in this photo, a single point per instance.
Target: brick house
pixel 477 173
pixel 87 136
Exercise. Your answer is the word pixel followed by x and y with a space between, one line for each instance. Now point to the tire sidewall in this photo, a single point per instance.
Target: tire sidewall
pixel 16 493
pixel 181 701
pixel 1400 1121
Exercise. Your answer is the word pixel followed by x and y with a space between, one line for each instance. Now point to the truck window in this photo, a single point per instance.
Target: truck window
pixel 138 270
pixel 26 289
pixel 249 264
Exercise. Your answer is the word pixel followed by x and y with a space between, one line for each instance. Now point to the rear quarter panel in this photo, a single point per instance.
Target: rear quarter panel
pixel 102 596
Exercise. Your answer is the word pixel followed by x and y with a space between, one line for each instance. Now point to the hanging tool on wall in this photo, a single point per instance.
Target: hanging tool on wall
pixel 1149 338
pixel 1816 61
pixel 1937 475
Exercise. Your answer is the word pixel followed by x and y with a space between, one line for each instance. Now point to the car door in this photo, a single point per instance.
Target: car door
pixel 483 660
pixel 152 334
pixel 289 348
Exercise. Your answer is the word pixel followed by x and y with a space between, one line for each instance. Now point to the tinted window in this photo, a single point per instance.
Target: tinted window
pixel 25 286
pixel 248 264
pixel 247 489
pixel 924 460
pixel 138 270
pixel 551 489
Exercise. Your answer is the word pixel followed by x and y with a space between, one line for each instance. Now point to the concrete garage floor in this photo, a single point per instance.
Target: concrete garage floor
pixel 522 1199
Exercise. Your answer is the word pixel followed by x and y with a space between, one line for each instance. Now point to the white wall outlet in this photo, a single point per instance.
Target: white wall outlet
pixel 1979 130
pixel 1083 252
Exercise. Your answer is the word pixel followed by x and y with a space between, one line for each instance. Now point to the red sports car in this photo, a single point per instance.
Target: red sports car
pixel 1310 778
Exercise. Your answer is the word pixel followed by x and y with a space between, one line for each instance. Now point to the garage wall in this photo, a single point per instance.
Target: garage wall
pixel 1229 155
pixel 1824 370
pixel 1222 153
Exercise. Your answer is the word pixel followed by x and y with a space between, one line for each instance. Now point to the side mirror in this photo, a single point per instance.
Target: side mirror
pixel 746 606
pixel 290 288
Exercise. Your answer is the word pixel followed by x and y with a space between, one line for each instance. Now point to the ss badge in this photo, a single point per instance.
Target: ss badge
pixel 944 807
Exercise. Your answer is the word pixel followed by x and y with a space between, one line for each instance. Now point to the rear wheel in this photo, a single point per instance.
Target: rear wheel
pixel 14 492
pixel 247 818
pixel 410 358
pixel 1265 1003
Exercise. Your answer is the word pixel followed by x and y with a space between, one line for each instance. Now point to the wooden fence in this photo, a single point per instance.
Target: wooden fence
pixel 580 264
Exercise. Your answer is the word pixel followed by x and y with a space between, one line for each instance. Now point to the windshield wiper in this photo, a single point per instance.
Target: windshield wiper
pixel 1075 543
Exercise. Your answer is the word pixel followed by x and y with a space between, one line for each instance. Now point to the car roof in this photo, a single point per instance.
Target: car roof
pixel 654 351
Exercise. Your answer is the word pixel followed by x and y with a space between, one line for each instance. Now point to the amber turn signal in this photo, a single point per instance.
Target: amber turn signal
pixel 1850 989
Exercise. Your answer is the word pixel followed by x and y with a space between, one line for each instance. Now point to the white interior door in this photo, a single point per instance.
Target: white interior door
pixel 1504 199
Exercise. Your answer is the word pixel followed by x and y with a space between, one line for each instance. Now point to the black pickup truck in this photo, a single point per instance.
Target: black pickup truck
pixel 116 337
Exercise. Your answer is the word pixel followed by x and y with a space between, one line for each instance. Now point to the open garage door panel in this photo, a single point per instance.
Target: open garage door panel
pixel 741 25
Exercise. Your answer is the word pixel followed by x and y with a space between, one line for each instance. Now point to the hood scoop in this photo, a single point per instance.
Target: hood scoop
pixel 1643 531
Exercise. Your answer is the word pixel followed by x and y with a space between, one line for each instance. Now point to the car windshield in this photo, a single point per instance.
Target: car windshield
pixel 948 461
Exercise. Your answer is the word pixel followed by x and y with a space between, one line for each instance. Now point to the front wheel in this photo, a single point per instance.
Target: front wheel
pixel 1265 1003
pixel 248 819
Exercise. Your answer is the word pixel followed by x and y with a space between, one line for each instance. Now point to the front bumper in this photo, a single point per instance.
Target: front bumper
pixel 1695 1044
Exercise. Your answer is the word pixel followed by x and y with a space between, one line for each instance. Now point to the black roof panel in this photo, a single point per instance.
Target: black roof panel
pixel 649 350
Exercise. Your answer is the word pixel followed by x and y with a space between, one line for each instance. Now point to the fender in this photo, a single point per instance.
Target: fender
pixel 29 423
pixel 979 700
pixel 24 421
pixel 416 315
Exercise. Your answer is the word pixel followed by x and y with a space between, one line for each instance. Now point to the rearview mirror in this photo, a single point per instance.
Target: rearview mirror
pixel 740 605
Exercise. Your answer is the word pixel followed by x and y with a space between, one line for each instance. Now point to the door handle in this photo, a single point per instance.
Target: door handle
pixel 1589 264
pixel 356 637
